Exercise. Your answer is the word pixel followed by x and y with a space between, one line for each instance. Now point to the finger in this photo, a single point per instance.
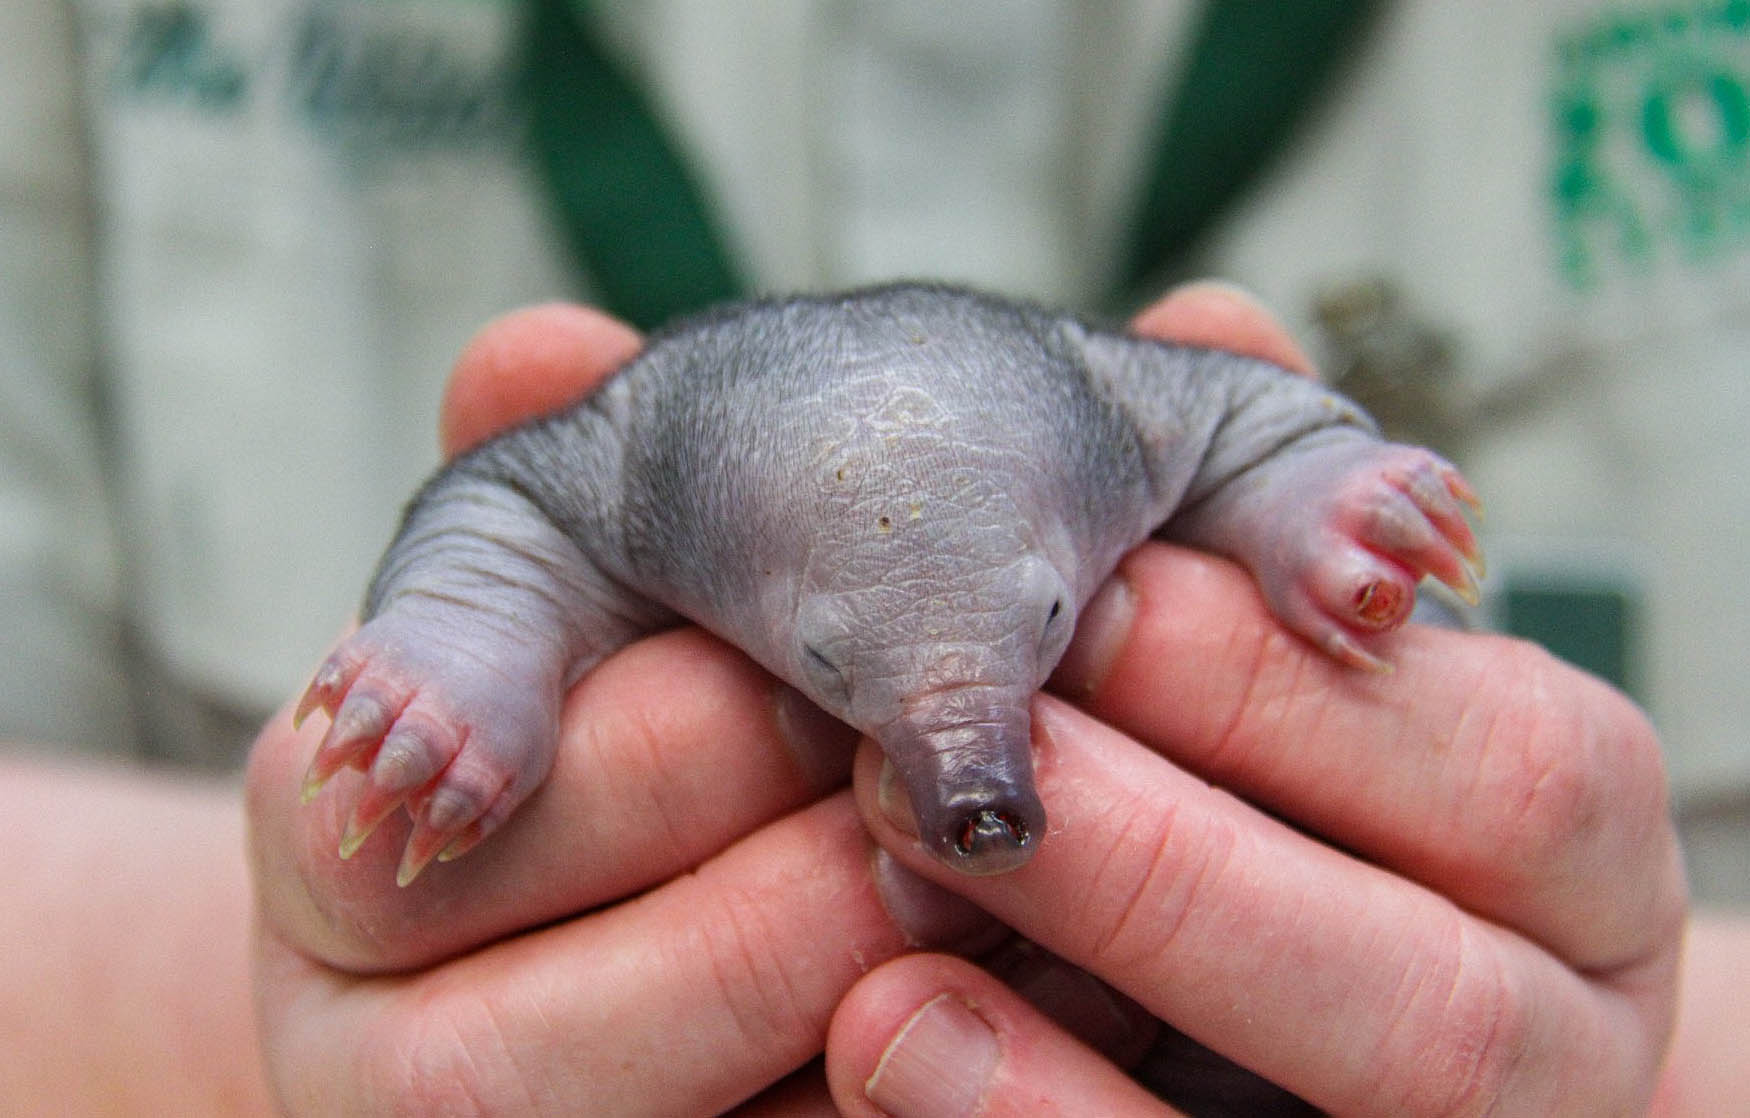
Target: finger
pixel 1353 988
pixel 527 363
pixel 931 1035
pixel 1482 767
pixel 691 999
pixel 1221 316
pixel 669 751
pixel 802 1094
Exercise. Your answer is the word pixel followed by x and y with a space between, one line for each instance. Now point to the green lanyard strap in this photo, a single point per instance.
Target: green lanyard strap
pixel 625 199
pixel 1257 67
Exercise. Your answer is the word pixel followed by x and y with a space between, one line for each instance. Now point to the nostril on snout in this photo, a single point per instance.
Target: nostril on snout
pixel 992 840
pixel 990 827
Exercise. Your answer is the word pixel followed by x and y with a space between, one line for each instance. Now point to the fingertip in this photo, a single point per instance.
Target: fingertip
pixel 933 1034
pixel 870 1056
pixel 528 362
pixel 1221 315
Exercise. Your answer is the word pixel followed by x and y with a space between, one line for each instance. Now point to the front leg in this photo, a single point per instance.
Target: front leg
pixel 447 697
pixel 1271 469
pixel 1338 528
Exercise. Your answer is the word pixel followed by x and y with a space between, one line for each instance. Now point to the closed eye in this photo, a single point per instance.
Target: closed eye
pixel 817 659
pixel 1054 635
pixel 829 683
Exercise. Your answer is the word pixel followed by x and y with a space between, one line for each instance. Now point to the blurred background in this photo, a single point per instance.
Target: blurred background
pixel 242 240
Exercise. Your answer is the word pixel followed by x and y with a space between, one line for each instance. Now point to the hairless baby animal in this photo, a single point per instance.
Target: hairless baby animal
pixel 896 499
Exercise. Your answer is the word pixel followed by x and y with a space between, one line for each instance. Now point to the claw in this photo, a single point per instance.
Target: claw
pixel 324 692
pixel 322 769
pixel 1465 586
pixel 357 831
pixel 374 806
pixel 314 781
pixel 422 846
pixel 1461 491
pixel 1457 531
pixel 1465 542
pixel 466 841
pixel 358 725
pixel 307 703
pixel 450 819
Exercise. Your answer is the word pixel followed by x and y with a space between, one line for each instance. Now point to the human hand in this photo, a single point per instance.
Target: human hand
pixel 1450 889
pixel 674 758
pixel 664 928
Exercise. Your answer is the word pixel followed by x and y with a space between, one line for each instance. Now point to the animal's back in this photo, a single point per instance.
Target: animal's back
pixel 768 424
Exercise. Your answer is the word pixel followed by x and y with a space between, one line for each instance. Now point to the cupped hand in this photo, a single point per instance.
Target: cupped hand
pixel 665 928
pixel 1450 889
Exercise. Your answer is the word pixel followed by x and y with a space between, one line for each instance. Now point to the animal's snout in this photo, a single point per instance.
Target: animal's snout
pixel 965 757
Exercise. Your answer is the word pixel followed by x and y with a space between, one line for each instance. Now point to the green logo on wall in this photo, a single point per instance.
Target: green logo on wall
pixel 377 85
pixel 1651 116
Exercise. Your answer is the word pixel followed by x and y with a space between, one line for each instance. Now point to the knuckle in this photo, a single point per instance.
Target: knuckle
pixel 1575 819
pixel 1461 1035
pixel 1553 788
pixel 1557 808
pixel 1481 1038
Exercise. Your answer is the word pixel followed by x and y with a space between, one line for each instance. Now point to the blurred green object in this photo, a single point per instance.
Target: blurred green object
pixel 1588 622
pixel 637 220
pixel 1256 70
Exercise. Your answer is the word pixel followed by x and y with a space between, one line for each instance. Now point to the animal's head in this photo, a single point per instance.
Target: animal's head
pixel 939 664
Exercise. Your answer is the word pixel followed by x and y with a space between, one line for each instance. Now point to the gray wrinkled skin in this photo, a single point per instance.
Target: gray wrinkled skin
pixel 897 500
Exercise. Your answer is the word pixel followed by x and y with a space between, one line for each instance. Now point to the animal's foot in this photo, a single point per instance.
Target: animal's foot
pixel 457 736
pixel 1350 529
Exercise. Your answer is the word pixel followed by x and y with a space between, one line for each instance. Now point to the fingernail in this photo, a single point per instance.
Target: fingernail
pixel 937 1065
pixel 1101 633
pixel 821 745
pixel 893 801
pixel 929 915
